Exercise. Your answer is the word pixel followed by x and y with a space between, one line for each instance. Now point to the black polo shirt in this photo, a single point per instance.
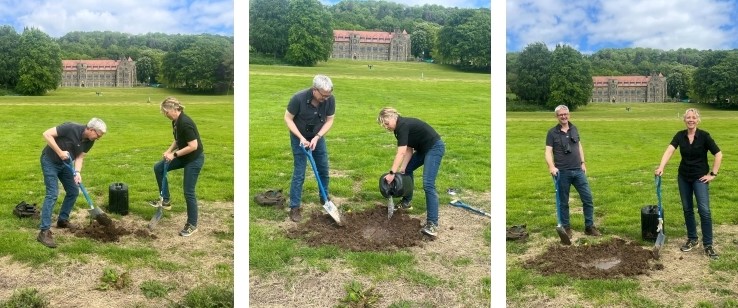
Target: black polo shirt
pixel 70 137
pixel 184 131
pixel 308 118
pixel 416 134
pixel 694 156
pixel 565 147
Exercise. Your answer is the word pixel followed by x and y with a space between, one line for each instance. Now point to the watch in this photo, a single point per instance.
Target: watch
pixel 175 154
pixel 713 173
pixel 391 172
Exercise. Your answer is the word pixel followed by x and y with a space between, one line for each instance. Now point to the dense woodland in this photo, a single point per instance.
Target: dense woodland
pixel 30 62
pixel 703 76
pixel 300 32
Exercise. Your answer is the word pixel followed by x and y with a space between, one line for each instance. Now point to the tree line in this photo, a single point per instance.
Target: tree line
pixel 536 77
pixel 31 62
pixel 301 31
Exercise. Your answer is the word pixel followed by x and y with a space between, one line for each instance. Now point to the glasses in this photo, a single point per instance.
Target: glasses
pixel 99 135
pixel 323 95
pixel 562 114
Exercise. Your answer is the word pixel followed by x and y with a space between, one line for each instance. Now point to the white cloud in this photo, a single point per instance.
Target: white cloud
pixel 60 17
pixel 662 24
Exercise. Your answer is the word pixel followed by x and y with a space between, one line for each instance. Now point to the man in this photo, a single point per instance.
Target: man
pixel 309 117
pixel 66 142
pixel 565 159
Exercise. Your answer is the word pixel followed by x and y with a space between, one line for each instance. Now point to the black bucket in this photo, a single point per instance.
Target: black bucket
pixel 118 198
pixel 649 222
pixel 401 186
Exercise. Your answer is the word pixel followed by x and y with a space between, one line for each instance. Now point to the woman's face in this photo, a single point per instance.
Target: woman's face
pixel 690 119
pixel 389 124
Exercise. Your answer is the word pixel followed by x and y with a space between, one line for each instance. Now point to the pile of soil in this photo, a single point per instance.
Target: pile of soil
pixel 109 232
pixel 368 230
pixel 611 259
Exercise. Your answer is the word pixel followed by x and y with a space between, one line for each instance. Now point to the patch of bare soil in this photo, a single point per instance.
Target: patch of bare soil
pixel 615 258
pixel 111 232
pixel 367 230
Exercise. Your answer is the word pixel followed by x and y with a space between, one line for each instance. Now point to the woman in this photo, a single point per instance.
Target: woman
pixel 418 144
pixel 185 152
pixel 694 178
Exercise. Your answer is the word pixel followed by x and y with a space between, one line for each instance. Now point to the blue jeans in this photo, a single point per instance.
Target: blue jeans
pixel 191 172
pixel 320 155
pixel 432 162
pixel 701 192
pixel 578 178
pixel 52 173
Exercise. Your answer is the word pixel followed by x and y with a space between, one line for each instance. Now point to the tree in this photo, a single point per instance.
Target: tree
pixel 423 39
pixel 9 41
pixel 465 41
pixel 310 35
pixel 532 71
pixel 145 70
pixel 268 26
pixel 195 61
pixel 571 81
pixel 40 65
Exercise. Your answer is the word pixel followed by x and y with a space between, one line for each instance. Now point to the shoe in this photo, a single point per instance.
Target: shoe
pixel 569 233
pixel 45 238
pixel 711 252
pixel 689 245
pixel 592 230
pixel 295 214
pixel 430 229
pixel 61 224
pixel 188 230
pixel 405 205
pixel 167 205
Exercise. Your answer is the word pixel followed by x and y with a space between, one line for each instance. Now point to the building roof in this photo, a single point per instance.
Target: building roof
pixel 623 81
pixel 378 37
pixel 92 65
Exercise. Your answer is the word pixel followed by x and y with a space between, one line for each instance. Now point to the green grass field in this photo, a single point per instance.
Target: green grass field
pixel 456 104
pixel 622 151
pixel 137 136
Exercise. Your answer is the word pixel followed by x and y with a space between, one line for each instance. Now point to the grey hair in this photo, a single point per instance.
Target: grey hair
pixel 97 125
pixel 696 113
pixel 560 107
pixel 322 82
pixel 387 113
pixel 170 103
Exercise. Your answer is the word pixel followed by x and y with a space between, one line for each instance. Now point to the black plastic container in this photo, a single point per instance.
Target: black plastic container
pixel 649 222
pixel 118 198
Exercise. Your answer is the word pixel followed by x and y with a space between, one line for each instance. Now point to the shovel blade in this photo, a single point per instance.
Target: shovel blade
pixel 563 236
pixel 660 239
pixel 155 219
pixel 332 210
pixel 94 212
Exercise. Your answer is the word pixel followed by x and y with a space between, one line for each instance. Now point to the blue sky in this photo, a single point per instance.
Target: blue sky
pixel 59 17
pixel 468 4
pixel 589 26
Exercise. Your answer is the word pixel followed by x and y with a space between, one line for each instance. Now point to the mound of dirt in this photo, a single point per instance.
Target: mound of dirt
pixel 368 230
pixel 109 232
pixel 611 259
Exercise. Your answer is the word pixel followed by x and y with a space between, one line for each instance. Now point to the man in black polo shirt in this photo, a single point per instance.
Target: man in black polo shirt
pixel 309 116
pixel 565 159
pixel 66 142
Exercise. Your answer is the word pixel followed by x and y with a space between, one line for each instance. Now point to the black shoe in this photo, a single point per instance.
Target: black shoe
pixel 61 224
pixel 689 245
pixel 295 214
pixel 167 205
pixel 592 230
pixel 405 205
pixel 711 252
pixel 45 238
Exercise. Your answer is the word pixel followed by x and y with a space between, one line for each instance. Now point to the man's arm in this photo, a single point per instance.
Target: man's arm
pixel 50 135
pixel 289 119
pixel 550 161
pixel 581 156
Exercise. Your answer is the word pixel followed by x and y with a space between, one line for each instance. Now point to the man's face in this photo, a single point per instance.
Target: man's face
pixel 321 95
pixel 563 116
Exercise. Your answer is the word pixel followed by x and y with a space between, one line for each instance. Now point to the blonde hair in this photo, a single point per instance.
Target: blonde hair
pixel 696 114
pixel 387 113
pixel 171 103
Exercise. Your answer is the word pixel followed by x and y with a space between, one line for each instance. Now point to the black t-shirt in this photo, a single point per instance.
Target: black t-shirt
pixel 416 134
pixel 185 130
pixel 565 147
pixel 308 118
pixel 70 137
pixel 694 156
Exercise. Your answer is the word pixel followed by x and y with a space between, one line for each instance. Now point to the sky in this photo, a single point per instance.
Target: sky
pixel 59 17
pixel 591 25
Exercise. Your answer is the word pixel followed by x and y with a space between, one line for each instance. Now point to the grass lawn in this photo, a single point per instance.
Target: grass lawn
pixel 137 136
pixel 622 151
pixel 456 104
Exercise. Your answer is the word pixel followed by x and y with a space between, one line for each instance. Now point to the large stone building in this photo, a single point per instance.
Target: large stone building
pixel 99 73
pixel 371 45
pixel 629 88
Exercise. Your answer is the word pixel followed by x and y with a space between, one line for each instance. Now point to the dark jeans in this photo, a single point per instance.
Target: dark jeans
pixel 578 179
pixel 191 173
pixel 53 173
pixel 432 162
pixel 701 192
pixel 320 155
